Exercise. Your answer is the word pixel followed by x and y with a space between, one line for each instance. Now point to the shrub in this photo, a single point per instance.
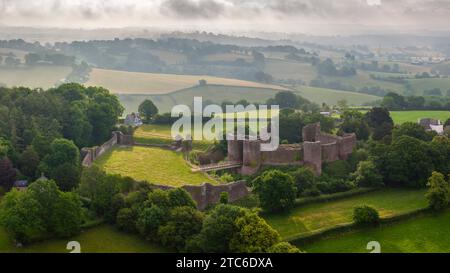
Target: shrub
pixel 365 215
pixel 224 197
pixel 283 247
pixel 330 185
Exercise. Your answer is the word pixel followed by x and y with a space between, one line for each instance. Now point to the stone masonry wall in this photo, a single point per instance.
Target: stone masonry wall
pixel 330 152
pixel 285 154
pixel 207 194
pixel 313 156
pixel 251 157
pixel 89 155
pixel 346 145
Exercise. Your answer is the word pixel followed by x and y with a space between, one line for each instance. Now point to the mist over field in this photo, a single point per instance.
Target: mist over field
pixel 92 158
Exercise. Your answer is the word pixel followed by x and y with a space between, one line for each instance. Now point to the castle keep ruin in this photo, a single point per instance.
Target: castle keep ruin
pixel 316 149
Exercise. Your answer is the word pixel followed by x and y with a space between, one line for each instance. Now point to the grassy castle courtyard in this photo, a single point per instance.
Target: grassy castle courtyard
pixel 154 165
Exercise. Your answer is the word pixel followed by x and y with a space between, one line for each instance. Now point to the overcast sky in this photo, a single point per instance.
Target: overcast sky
pixel 300 16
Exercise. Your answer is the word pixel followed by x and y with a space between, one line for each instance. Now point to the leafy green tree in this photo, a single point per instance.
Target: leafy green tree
pixel 411 129
pixel 147 109
pixel 100 188
pixel 62 151
pixel 380 121
pixel 149 220
pixel 67 216
pixel 253 235
pixel 219 227
pixel 40 211
pixel 276 190
pixel 29 162
pixel 304 179
pixel 367 175
pixel 103 113
pixel 354 122
pixel 180 198
pixel 438 194
pixel 67 176
pixel 7 174
pixel 408 162
pixel 283 247
pixel 440 153
pixel 183 224
pixel 126 220
pixel 286 99
pixel 365 215
pixel 20 216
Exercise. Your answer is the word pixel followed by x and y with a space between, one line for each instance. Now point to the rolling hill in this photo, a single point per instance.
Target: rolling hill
pixel 122 82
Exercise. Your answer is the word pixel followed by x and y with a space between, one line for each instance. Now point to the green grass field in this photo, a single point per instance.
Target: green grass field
pixel 419 85
pixel 219 93
pixel 101 239
pixel 161 135
pixel 425 234
pixel 331 97
pixel 400 117
pixel 314 217
pixel 152 83
pixel 154 165
pixel 34 77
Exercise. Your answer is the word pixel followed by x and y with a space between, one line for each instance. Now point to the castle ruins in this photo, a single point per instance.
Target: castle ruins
pixel 317 148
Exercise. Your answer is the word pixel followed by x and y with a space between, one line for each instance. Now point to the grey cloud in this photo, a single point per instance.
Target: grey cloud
pixel 193 9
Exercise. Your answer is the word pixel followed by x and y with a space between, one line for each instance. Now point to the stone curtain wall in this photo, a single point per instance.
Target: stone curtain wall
pixel 316 149
pixel 89 155
pixel 207 194
pixel 203 195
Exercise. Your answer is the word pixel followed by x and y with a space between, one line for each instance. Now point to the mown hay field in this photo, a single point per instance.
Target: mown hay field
pixel 122 82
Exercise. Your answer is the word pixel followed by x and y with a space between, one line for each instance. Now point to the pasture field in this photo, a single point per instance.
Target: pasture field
pixel 424 234
pixel 161 134
pixel 227 57
pixel 100 239
pixel 154 165
pixel 420 85
pixel 34 77
pixel 401 117
pixel 153 83
pixel 219 93
pixel 214 93
pixel 287 69
pixel 331 97
pixel 169 57
pixel 317 216
pixel 363 79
